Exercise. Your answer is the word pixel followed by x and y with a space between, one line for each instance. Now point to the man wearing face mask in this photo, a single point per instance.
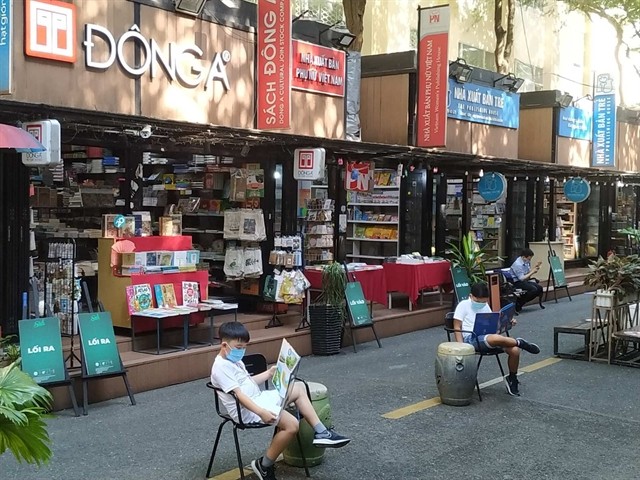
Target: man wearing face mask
pixel 464 319
pixel 230 375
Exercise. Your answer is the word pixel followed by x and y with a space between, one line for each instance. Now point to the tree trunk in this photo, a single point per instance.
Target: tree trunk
pixel 354 16
pixel 619 46
pixel 501 36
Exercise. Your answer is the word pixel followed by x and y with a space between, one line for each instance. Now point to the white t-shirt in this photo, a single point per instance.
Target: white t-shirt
pixel 467 315
pixel 228 376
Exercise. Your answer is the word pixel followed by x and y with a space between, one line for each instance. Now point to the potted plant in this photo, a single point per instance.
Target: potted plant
pixel 327 313
pixel 616 279
pixel 9 350
pixel 23 405
pixel 470 256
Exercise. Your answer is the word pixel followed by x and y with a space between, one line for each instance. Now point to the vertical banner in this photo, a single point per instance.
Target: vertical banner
pixel 5 46
pixel 274 65
pixel 433 71
pixel 603 153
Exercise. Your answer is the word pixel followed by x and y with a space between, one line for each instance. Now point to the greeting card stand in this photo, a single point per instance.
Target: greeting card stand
pixel 60 295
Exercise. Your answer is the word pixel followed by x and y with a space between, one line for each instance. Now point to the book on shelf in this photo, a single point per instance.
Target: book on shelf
pixel 165 295
pixel 190 293
pixel 138 297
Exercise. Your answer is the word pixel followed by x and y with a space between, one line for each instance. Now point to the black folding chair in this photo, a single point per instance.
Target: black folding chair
pixel 449 328
pixel 255 364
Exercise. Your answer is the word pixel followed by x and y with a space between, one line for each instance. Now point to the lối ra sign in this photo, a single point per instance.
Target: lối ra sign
pixel 170 60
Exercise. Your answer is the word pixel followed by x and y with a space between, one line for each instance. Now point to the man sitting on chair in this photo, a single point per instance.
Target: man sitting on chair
pixel 464 319
pixel 523 273
pixel 230 375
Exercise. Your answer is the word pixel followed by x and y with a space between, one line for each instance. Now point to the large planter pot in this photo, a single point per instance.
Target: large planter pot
pixel 326 329
pixel 605 298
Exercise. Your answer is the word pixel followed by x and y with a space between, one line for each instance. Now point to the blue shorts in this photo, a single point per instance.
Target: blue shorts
pixel 480 343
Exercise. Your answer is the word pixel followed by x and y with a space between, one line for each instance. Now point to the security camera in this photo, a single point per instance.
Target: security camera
pixel 146 131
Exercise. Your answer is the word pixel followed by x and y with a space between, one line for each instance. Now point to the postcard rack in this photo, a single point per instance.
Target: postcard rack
pixel 61 290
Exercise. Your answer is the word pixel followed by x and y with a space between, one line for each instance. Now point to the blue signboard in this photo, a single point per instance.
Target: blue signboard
pixel 575 123
pixel 492 186
pixel 5 46
pixel 603 153
pixel 577 189
pixel 479 104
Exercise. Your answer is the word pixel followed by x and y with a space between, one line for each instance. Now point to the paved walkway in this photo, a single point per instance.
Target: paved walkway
pixel 575 420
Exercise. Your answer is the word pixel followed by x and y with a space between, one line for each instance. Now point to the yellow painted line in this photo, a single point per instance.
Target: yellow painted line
pixel 541 364
pixel 416 407
pixel 232 474
pixel 432 402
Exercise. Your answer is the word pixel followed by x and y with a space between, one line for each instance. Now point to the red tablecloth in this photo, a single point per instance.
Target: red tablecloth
pixel 411 278
pixel 374 283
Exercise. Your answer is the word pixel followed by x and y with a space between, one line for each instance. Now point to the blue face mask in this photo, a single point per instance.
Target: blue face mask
pixel 236 354
pixel 477 306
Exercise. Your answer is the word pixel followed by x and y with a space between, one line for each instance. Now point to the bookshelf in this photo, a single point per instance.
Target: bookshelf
pixel 373 219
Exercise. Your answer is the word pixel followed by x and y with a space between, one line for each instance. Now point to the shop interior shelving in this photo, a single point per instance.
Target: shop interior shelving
pixel 487 225
pixel 566 223
pixel 373 220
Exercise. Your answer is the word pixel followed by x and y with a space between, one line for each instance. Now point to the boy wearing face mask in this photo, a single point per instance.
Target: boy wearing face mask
pixel 230 375
pixel 464 319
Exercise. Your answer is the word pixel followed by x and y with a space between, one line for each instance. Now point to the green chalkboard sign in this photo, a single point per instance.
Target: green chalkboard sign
pixel 557 271
pixel 41 349
pixel 99 348
pixel 461 283
pixel 357 305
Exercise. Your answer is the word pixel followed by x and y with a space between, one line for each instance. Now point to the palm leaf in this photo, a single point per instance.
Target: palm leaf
pixel 23 404
pixel 29 443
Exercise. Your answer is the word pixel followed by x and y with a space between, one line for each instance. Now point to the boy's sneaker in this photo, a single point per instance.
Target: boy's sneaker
pixel 528 347
pixel 511 381
pixel 329 439
pixel 263 473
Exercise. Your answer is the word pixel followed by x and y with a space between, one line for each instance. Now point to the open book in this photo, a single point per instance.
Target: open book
pixel 494 322
pixel 283 379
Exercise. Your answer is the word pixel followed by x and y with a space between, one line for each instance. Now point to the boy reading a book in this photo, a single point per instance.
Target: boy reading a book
pixel 463 322
pixel 230 375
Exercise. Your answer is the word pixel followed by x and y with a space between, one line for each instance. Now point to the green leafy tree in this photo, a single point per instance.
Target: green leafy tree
pixel 624 17
pixel 23 405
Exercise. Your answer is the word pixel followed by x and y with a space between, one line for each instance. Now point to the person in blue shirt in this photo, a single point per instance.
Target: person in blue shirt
pixel 523 274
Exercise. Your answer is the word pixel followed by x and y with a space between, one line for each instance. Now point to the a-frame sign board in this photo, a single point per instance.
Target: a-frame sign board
pixel 556 275
pixel 357 310
pixel 42 356
pixel 100 356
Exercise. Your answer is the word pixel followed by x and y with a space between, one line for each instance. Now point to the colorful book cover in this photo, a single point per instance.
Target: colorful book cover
pixel 159 297
pixel 169 295
pixel 132 303
pixel 190 294
pixel 143 296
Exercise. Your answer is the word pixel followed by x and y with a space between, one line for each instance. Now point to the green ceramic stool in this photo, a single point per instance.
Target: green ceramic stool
pixel 313 455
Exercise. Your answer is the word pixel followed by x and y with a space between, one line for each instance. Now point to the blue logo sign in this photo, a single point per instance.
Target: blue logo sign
pixel 603 153
pixel 577 189
pixel 118 222
pixel 475 103
pixel 5 46
pixel 575 123
pixel 492 186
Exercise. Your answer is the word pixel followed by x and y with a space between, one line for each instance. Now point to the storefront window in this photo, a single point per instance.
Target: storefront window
pixel 588 239
pixel 624 216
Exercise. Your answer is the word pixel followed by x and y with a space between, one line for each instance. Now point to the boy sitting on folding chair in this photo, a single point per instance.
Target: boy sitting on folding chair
pixel 463 322
pixel 230 375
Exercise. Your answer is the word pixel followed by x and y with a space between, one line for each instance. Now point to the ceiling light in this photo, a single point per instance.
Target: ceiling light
pixel 481 174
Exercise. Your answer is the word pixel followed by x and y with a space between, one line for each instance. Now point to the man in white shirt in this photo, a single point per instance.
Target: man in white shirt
pixel 464 319
pixel 523 273
pixel 229 374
